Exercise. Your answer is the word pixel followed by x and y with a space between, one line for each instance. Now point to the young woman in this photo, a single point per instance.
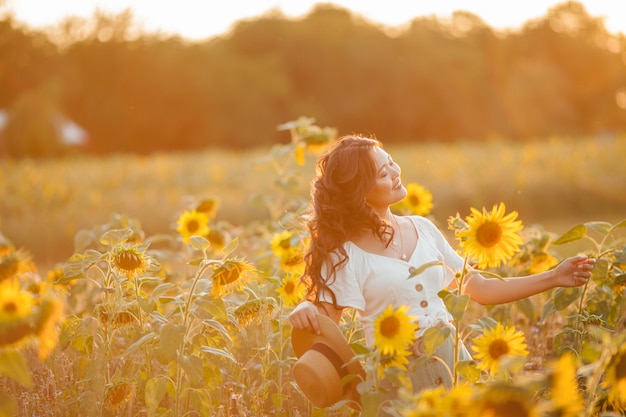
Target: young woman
pixel 361 255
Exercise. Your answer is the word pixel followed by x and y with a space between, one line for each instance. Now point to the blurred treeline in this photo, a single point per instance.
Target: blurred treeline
pixel 432 80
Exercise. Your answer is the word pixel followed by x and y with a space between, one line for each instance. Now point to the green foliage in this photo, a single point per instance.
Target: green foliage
pixel 14 365
pixel 600 300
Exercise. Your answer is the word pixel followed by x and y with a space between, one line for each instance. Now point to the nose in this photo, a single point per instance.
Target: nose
pixel 396 170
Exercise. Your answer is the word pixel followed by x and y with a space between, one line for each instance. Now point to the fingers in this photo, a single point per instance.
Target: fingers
pixel 585 266
pixel 581 259
pixel 314 324
pixel 582 269
pixel 305 318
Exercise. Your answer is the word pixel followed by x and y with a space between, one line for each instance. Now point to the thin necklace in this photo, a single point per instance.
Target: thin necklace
pixel 394 243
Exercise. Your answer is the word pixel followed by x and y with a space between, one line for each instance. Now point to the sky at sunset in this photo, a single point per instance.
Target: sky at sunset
pixel 200 19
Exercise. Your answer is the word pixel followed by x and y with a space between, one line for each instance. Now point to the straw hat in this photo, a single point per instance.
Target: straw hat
pixel 324 360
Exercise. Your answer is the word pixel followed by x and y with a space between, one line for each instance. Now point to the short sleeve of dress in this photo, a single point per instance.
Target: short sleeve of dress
pixel 346 286
pixel 452 260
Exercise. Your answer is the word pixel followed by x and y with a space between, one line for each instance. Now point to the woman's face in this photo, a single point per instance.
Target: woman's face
pixel 388 188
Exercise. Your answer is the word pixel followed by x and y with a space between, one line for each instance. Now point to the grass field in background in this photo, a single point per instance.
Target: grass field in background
pixel 556 182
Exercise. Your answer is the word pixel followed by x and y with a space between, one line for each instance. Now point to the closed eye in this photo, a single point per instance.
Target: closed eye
pixel 382 171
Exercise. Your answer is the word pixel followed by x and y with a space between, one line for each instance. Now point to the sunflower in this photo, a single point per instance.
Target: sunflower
pixel 131 261
pixel 566 398
pixel 317 139
pixel 495 343
pixel 616 379
pixel 541 262
pixel 254 311
pixel 291 290
pixel 418 200
pixel 399 359
pixel 55 276
pixel 294 263
pixel 50 314
pixel 37 289
pixel 16 310
pixel 492 237
pixel 15 303
pixel 394 330
pixel 217 238
pixel 505 400
pixel 230 275
pixel 192 223
pixel 429 403
pixel 460 400
pixel 118 394
pixel 208 206
pixel 5 245
pixel 284 243
pixel 308 137
pixel 14 263
pixel 299 153
pixel 118 314
pixel 289 248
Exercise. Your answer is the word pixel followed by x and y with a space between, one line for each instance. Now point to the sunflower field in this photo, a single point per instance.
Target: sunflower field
pixel 165 282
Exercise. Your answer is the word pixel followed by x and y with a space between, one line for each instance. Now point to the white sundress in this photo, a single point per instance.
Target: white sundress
pixel 370 283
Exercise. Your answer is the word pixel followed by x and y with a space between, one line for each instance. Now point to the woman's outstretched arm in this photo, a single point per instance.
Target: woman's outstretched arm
pixel 572 272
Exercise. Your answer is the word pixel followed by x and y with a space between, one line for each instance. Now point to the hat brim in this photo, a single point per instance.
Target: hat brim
pixel 330 335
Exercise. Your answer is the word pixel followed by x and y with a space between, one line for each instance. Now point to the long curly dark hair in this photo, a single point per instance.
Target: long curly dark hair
pixel 345 175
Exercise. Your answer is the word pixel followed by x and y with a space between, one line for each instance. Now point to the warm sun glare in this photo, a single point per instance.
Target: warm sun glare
pixel 197 19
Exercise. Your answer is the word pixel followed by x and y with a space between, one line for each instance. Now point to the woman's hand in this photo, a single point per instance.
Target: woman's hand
pixel 304 316
pixel 574 271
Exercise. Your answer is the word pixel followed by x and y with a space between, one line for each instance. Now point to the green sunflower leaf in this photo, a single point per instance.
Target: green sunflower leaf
pixel 548 309
pixel 115 236
pixel 600 272
pixel 231 247
pixel 220 328
pixel 199 243
pixel 140 342
pixel 457 305
pixel 155 390
pixel 619 225
pixel 468 370
pixel 171 339
pixel 572 235
pixel 563 297
pixel 193 367
pixel 433 338
pixel 424 267
pixel 218 352
pixel 14 366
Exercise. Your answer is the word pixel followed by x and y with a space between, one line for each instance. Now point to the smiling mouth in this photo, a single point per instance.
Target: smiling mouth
pixel 398 185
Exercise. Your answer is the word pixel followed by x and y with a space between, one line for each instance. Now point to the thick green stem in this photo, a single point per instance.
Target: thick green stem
pixel 579 325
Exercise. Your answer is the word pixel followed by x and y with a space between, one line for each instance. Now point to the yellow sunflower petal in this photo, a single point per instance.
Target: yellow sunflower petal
pixel 394 330
pixel 492 237
pixel 616 378
pixel 565 394
pixel 291 290
pixel 192 223
pixel 495 343
pixel 418 199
